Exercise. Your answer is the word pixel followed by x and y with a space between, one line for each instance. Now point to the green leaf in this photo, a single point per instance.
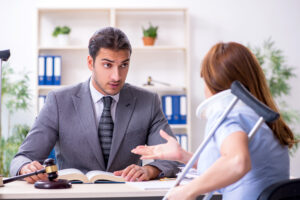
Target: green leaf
pixel 9 147
pixel 56 31
pixel 61 30
pixel 151 31
pixel 278 74
pixel 65 30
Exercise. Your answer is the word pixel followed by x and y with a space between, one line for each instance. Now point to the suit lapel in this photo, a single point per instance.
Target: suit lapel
pixel 123 114
pixel 84 107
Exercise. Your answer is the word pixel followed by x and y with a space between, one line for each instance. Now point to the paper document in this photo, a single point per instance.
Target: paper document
pixel 193 173
pixel 156 184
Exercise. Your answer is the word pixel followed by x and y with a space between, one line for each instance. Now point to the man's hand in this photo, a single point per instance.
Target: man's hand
pixel 33 167
pixel 138 173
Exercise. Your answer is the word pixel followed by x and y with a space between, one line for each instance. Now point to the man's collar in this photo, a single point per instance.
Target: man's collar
pixel 96 95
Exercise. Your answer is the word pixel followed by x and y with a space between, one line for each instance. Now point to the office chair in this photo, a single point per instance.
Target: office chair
pixel 282 190
pixel 52 155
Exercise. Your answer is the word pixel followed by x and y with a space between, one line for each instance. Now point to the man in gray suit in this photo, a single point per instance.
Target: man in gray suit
pixel 90 134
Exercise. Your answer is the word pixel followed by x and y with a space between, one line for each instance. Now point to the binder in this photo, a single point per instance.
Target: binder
pixel 182 112
pixel 57 70
pixel 167 107
pixel 174 108
pixel 42 68
pixel 182 139
pixel 49 70
pixel 42 99
pixel 178 138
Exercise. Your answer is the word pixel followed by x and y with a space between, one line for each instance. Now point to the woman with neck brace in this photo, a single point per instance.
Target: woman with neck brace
pixel 230 164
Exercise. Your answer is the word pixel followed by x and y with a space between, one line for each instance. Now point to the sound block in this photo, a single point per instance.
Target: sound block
pixel 55 184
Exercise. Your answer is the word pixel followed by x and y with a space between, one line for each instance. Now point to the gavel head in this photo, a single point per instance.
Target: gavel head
pixel 51 169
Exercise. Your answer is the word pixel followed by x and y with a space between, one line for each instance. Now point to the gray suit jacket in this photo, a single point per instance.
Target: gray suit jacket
pixel 67 121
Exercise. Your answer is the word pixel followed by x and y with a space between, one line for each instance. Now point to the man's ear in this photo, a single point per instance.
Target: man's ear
pixel 90 62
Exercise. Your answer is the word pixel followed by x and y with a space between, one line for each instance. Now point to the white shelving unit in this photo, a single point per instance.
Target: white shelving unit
pixel 166 61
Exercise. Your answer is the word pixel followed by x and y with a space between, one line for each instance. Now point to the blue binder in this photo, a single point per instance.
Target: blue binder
pixel 42 100
pixel 49 70
pixel 167 107
pixel 178 137
pixel 174 108
pixel 57 70
pixel 182 139
pixel 182 109
pixel 42 70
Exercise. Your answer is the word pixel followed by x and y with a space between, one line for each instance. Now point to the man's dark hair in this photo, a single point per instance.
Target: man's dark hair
pixel 110 38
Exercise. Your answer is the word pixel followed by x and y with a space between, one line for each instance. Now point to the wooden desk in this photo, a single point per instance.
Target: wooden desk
pixel 113 191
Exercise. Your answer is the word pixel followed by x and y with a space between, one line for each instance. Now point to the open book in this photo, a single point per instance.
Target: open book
pixel 73 174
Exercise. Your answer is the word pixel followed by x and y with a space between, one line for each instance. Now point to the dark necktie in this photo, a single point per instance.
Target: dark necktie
pixel 106 127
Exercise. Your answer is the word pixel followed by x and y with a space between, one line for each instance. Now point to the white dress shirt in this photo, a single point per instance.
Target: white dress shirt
pixel 98 102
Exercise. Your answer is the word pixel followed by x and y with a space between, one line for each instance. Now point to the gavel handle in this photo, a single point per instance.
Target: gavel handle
pixel 14 178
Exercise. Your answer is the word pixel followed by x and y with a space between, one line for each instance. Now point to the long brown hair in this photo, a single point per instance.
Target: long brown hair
pixel 227 62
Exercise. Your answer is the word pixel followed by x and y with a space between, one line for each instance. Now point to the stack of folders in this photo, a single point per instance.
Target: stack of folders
pixel 42 100
pixel 49 70
pixel 182 140
pixel 174 107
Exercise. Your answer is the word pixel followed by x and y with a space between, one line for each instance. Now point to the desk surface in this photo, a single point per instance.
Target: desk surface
pixel 23 190
pixel 113 191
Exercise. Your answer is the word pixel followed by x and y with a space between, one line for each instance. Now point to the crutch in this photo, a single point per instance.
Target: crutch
pixel 240 92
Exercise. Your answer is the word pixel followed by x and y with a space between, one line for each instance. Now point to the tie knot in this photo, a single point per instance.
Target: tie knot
pixel 107 100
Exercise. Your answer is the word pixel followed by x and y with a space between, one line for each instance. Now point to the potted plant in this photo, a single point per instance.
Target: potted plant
pixel 62 34
pixel 150 35
pixel 278 74
pixel 16 97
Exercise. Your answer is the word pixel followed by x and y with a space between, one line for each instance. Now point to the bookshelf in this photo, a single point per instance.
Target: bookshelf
pixel 166 61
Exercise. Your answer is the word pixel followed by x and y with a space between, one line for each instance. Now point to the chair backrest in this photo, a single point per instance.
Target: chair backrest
pixel 283 190
pixel 52 155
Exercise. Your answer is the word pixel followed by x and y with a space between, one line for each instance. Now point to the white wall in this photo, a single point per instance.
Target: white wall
pixel 248 22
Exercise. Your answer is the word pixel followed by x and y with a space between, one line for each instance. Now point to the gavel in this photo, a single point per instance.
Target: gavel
pixel 51 170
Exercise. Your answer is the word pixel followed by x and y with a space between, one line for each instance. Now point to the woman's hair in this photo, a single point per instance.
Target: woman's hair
pixel 227 62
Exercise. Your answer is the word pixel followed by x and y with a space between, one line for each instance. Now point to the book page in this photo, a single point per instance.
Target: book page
pixel 72 174
pixel 102 175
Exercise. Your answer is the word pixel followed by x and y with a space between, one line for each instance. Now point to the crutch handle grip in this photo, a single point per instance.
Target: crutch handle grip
pixel 261 109
pixel 4 55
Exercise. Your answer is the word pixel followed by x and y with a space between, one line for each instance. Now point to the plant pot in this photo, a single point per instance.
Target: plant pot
pixel 63 39
pixel 149 41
